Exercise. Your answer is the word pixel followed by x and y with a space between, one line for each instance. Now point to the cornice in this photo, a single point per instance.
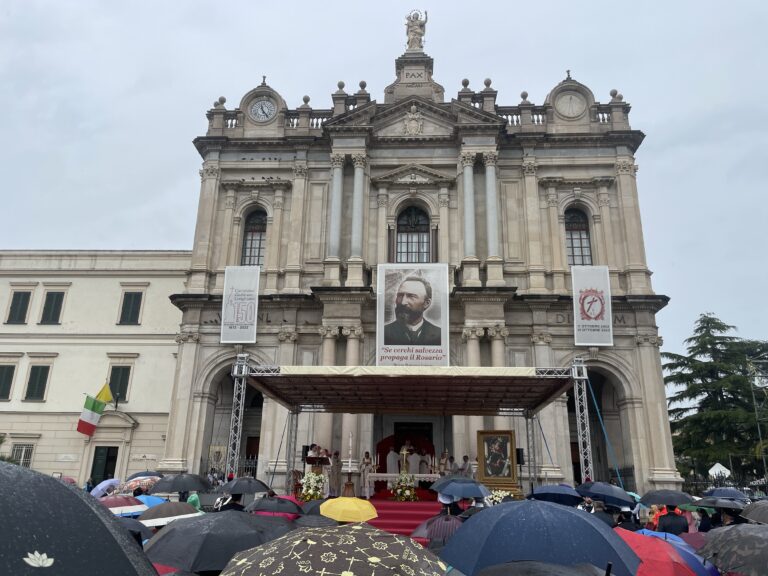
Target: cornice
pixel 243 184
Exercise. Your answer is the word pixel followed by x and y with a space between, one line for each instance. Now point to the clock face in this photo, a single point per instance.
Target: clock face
pixel 570 104
pixel 262 110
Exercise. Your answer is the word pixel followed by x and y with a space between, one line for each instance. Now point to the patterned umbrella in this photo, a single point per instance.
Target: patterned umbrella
pixel 738 548
pixel 146 483
pixel 350 549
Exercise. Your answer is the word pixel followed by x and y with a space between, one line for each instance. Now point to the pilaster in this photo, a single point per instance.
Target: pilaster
pixel 204 229
pixel 536 283
pixel 273 247
pixel 355 262
pixel 296 235
pixel 637 267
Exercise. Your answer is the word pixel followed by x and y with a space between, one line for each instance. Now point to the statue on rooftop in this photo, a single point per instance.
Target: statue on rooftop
pixel 415 28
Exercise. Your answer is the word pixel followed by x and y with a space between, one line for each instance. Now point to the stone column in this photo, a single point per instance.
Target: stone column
pixel 350 422
pixel 639 280
pixel 558 241
pixel 498 335
pixel 323 422
pixel 471 335
pixel 494 263
pixel 332 260
pixel 382 233
pixel 536 282
pixel 204 229
pixel 226 252
pixel 355 262
pixel 272 265
pixel 296 232
pixel 470 262
pixel 444 249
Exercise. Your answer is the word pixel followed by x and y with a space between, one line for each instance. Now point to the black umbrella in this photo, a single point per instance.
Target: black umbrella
pixel 163 514
pixel 540 569
pixel 726 492
pixel 136 528
pixel 145 473
pixel 756 512
pixel 719 503
pixel 608 493
pixel 558 494
pixel 243 485
pixel 313 521
pixel 537 531
pixel 208 542
pixel 273 504
pixel 313 506
pixel 47 523
pixel 181 483
pixel 666 498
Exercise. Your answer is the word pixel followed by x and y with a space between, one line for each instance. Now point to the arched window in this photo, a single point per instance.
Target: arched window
pixel 577 238
pixel 254 239
pixel 413 242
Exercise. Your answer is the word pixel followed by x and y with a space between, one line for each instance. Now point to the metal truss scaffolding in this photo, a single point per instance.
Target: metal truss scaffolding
pixel 579 375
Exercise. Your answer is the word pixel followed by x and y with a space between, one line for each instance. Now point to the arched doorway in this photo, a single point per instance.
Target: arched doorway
pixel 611 441
pixel 217 423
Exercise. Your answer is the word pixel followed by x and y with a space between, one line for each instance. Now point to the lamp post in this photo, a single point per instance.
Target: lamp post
pixel 757 373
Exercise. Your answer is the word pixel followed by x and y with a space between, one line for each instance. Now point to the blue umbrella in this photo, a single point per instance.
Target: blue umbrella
pixel 465 490
pixel 537 531
pixel 558 494
pixel 151 501
pixel 695 562
pixel 726 493
pixel 102 488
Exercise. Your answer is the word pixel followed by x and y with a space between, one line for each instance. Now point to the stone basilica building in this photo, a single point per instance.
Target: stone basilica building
pixel 509 196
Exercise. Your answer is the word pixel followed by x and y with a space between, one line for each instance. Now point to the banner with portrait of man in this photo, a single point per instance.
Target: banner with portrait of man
pixel 412 315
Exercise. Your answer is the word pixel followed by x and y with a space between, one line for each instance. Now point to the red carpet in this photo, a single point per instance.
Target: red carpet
pixel 403 517
pixel 421 493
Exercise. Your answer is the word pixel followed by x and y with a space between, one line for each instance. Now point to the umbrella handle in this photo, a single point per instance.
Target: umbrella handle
pixel 608 569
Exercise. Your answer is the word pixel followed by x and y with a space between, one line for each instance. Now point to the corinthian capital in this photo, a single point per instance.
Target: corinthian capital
pixel 529 168
pixel 300 171
pixel 359 160
pixel 287 336
pixel 329 331
pixel 497 332
pixel 209 171
pixel 490 158
pixel 468 158
pixel 541 338
pixel 626 167
pixel 353 332
pixel 472 333
pixel 337 160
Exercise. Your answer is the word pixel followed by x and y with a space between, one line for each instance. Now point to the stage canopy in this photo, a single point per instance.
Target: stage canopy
pixel 410 389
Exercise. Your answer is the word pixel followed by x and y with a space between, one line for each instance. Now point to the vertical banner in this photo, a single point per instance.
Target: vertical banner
pixel 240 304
pixel 592 317
pixel 412 315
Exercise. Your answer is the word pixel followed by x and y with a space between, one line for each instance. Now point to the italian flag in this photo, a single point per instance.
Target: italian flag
pixel 92 410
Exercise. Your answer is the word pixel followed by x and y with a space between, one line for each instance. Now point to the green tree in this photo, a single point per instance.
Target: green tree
pixel 710 402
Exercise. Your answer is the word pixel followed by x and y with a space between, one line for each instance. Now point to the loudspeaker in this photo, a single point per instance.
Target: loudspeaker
pixel 304 452
pixel 520 456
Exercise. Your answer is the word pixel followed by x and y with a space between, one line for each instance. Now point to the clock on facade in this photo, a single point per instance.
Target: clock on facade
pixel 262 109
pixel 570 104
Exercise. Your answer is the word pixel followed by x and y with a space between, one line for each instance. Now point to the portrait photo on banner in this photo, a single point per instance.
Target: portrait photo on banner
pixel 412 315
pixel 496 456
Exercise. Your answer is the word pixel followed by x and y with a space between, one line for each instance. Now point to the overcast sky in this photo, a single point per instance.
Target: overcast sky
pixel 103 99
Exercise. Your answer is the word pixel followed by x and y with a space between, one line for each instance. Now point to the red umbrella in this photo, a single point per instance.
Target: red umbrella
pixel 123 505
pixel 657 557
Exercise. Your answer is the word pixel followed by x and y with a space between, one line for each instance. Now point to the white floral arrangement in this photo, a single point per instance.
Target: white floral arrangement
pixel 312 486
pixel 498 495
pixel 405 488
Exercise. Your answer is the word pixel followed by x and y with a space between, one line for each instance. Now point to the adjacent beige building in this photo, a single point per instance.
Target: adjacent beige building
pixel 509 196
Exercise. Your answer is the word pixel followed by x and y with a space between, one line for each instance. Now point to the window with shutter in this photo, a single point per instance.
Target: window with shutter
pixel 19 307
pixel 6 380
pixel 118 382
pixel 38 379
pixel 52 308
pixel 129 314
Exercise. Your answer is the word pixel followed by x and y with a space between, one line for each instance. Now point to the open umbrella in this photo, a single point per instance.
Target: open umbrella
pixel 166 513
pixel 151 501
pixel 608 493
pixel 459 490
pixel 687 552
pixel 313 506
pixel 136 528
pixel 726 492
pixel 146 483
pixel 209 542
pixel 756 512
pixel 537 531
pixel 102 488
pixel 540 569
pixel 346 549
pixel 346 509
pixel 181 483
pixel 243 485
pixel 666 498
pixel 314 521
pixel 48 524
pixel 145 474
pixel 558 494
pixel 438 484
pixel 658 557
pixel 274 504
pixel 741 548
pixel 720 503
pixel 121 505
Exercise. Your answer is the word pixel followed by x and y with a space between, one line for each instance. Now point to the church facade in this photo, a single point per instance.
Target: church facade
pixel 508 196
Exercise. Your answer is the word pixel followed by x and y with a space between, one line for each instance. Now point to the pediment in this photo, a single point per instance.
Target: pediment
pixel 358 118
pixel 414 118
pixel 413 175
pixel 466 114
